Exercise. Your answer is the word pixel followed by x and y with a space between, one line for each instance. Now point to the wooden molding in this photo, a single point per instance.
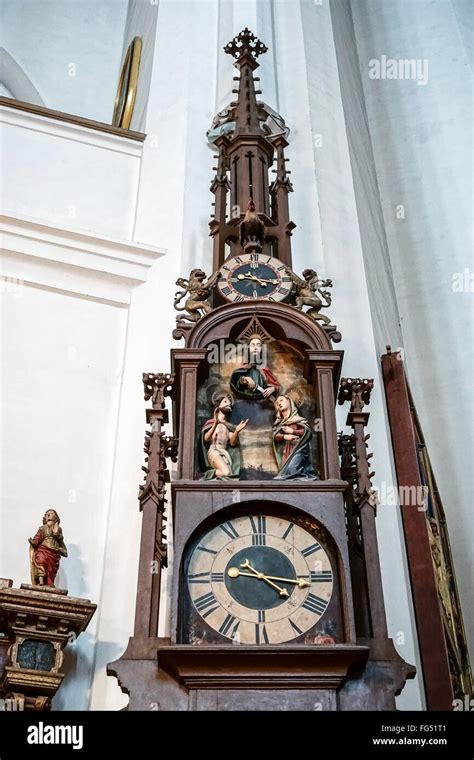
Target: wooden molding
pixel 269 667
pixel 73 261
pixel 81 121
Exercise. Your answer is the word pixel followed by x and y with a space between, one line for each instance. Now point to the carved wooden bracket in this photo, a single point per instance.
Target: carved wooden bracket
pixel 39 622
pixel 157 387
pixel 356 391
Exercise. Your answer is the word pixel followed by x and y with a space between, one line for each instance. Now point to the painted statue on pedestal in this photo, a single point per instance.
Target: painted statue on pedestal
pixel 46 549
pixel 292 442
pixel 220 440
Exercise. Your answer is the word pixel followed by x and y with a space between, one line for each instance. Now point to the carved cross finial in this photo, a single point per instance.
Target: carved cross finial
pixel 245 43
pixel 356 391
pixel 157 386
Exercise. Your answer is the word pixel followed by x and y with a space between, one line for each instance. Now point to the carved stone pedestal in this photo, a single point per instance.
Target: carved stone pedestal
pixel 37 622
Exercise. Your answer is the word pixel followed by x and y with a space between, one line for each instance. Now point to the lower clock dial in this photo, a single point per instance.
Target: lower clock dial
pixel 260 579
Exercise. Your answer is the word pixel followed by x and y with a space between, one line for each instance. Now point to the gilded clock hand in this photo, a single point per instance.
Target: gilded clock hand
pixel 234 572
pixel 262 281
pixel 301 582
pixel 249 276
pixel 297 581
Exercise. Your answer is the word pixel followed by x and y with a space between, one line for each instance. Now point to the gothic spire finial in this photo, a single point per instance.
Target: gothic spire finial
pixel 245 43
pixel 246 154
pixel 246 48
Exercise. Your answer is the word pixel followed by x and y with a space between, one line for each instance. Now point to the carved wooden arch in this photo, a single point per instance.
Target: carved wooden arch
pixel 275 504
pixel 285 323
pixel 291 323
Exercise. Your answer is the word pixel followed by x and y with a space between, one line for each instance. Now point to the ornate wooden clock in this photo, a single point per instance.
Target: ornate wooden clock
pixel 254 275
pixel 276 585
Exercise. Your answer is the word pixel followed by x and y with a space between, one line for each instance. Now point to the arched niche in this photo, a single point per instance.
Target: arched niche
pixel 319 367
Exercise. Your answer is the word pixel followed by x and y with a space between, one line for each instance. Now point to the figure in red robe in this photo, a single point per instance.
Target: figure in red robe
pixel 253 381
pixel 46 549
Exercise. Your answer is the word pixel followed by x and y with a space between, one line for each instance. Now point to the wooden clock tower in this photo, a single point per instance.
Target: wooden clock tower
pixel 276 599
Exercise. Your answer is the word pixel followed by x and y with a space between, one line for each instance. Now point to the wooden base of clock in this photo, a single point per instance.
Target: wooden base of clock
pixel 235 677
pixel 217 674
pixel 242 667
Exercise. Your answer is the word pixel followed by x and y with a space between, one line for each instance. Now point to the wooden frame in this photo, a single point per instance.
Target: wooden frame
pixel 432 643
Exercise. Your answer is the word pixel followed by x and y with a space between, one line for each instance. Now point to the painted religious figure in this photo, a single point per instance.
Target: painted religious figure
pixel 292 442
pixel 254 381
pixel 46 549
pixel 220 440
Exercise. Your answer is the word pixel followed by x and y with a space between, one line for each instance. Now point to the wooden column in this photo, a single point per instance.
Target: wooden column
pixel 433 653
pixel 153 551
pixel 358 392
pixel 186 363
pixel 322 372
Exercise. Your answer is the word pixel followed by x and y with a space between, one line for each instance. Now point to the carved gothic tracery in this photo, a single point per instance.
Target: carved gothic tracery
pixel 158 447
pixel 356 391
pixel 245 42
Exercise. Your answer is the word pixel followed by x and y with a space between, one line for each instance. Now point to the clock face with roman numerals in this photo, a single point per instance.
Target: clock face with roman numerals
pixel 260 579
pixel 254 275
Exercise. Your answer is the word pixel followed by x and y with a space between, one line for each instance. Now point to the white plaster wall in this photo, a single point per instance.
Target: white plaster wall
pixel 70 49
pixel 65 290
pixel 141 22
pixel 60 381
pixel 68 175
pixel 173 207
pixel 422 142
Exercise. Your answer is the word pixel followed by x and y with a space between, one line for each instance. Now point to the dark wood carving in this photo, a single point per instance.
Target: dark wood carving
pixel 362 535
pixel 319 629
pixel 443 651
pixel 37 622
pixel 358 392
pixel 347 451
pixel 153 550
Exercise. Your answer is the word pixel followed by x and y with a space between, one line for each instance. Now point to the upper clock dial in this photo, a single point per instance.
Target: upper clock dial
pixel 254 275
pixel 260 579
